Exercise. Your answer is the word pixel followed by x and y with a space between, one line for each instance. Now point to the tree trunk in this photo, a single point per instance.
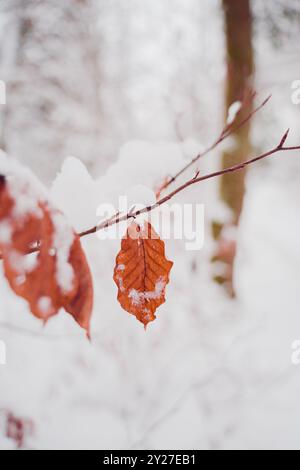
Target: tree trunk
pixel 238 24
pixel 240 70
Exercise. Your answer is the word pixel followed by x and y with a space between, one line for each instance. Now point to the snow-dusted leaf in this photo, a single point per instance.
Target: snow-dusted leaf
pixel 142 272
pixel 18 429
pixel 80 304
pixel 57 275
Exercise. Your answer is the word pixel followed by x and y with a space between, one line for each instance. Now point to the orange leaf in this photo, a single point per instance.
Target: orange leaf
pixel 80 304
pixel 142 272
pixel 55 277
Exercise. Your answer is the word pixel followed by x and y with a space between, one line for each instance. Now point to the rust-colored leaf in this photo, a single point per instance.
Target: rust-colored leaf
pixel 80 303
pixel 142 272
pixel 57 275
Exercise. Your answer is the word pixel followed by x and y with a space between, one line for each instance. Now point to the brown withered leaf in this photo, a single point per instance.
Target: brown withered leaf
pixel 57 275
pixel 80 304
pixel 142 272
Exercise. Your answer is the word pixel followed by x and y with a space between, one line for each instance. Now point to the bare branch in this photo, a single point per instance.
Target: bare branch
pixel 227 132
pixel 284 138
pixel 122 218
pixel 118 218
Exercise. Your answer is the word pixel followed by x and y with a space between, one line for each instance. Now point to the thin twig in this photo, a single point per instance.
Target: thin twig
pixel 122 218
pixel 117 218
pixel 226 132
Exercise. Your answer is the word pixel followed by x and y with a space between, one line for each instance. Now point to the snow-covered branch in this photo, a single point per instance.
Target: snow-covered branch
pixel 195 180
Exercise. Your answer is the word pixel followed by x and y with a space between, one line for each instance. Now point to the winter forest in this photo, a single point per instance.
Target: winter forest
pixel 149 224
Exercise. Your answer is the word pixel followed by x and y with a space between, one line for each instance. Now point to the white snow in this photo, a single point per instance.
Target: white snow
pixel 22 264
pixel 23 186
pixel 62 242
pixel 74 191
pixel 45 305
pixel 210 373
pixel 5 232
pixel 139 297
pixel 121 267
pixel 233 111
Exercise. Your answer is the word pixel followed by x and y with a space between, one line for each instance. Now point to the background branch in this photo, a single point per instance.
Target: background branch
pixel 226 132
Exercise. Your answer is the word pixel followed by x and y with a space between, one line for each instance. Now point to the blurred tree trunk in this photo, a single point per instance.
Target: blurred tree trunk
pixel 238 23
pixel 240 70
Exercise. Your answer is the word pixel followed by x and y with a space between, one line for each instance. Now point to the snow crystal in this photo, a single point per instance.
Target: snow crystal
pixel 140 196
pixel 52 252
pixel 136 296
pixel 233 111
pixel 121 285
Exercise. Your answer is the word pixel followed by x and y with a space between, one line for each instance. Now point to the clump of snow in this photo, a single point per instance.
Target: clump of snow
pixel 45 305
pixel 140 195
pixel 158 161
pixel 22 264
pixel 74 192
pixel 62 243
pixel 24 187
pixel 233 111
pixel 5 232
pixel 139 297
pixel 19 280
pixel 191 148
pixel 221 212
pixel 136 297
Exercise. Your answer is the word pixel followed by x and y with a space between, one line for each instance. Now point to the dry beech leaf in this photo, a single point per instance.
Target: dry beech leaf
pixel 58 275
pixel 80 304
pixel 142 272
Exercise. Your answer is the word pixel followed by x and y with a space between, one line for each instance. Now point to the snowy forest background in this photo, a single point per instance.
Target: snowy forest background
pixel 131 90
